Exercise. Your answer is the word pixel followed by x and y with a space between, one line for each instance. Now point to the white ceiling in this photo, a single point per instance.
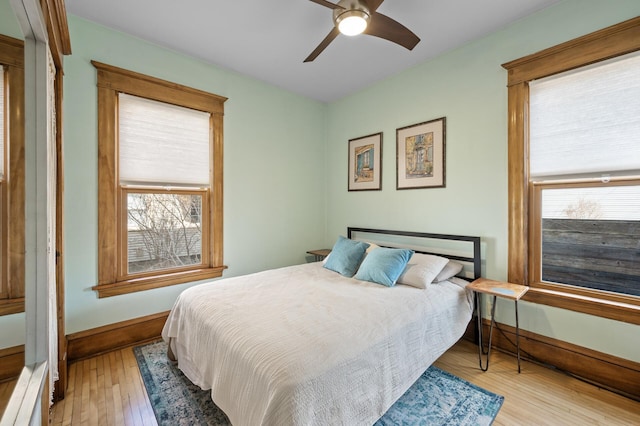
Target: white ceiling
pixel 268 40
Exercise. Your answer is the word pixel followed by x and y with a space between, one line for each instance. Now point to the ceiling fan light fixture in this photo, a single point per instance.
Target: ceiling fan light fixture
pixel 360 13
pixel 352 22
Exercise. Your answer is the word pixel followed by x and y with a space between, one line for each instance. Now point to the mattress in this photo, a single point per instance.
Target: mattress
pixel 303 345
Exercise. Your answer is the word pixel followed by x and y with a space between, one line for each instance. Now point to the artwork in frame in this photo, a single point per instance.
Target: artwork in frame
pixel 420 155
pixel 365 163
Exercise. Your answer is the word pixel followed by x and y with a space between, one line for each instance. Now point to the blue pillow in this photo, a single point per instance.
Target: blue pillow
pixel 346 256
pixel 384 265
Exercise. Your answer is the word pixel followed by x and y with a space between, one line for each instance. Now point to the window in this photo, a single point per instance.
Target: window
pixel 11 176
pixel 160 183
pixel 584 150
pixel 574 173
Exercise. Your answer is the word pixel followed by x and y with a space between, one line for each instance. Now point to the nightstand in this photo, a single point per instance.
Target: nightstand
pixel 496 289
pixel 319 254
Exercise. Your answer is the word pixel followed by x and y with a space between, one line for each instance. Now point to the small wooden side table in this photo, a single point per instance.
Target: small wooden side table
pixel 319 254
pixel 496 289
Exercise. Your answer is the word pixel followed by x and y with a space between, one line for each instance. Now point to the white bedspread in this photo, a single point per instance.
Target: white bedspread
pixel 303 345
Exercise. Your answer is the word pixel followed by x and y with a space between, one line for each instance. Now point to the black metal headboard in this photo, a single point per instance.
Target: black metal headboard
pixel 474 259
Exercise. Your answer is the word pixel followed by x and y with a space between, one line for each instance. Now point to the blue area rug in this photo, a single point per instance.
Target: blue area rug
pixel 436 398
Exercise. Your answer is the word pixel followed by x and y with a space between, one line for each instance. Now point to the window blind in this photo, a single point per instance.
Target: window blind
pixel 609 202
pixel 2 117
pixel 587 121
pixel 162 144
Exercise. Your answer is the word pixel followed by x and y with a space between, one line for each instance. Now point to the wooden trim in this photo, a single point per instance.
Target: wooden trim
pixel 607 371
pixel 121 80
pixel 4 222
pixel 616 299
pixel 12 216
pixel 11 306
pixel 607 43
pixel 63 27
pixel 611 309
pixel 58 30
pixel 157 281
pixel 12 52
pixel 44 401
pixel 470 333
pixel 216 199
pixel 60 385
pixel 107 188
pixel 112 276
pixel 518 160
pixel 13 244
pixel 95 341
pixel 4 246
pixel 11 362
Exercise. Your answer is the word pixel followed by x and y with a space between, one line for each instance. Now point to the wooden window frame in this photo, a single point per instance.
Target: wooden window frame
pixel 111 209
pixel 13 193
pixel 601 45
pixel 535 224
pixel 123 274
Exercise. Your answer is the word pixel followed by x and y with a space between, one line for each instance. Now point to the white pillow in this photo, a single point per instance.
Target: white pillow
pixel 422 269
pixel 451 269
pixel 371 247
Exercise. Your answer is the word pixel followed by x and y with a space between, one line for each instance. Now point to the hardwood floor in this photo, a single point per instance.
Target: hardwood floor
pixel 108 390
pixel 539 395
pixel 5 393
pixel 105 390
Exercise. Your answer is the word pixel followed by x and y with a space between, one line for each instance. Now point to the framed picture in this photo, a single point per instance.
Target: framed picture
pixel 365 163
pixel 420 155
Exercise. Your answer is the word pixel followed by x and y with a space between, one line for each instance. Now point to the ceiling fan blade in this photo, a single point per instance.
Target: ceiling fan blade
pixel 323 44
pixel 384 27
pixel 327 4
pixel 373 4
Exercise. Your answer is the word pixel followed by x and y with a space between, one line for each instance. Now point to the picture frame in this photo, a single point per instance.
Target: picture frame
pixel 420 155
pixel 365 163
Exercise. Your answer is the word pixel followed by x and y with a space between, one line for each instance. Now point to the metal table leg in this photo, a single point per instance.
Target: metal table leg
pixel 517 337
pixel 496 289
pixel 481 350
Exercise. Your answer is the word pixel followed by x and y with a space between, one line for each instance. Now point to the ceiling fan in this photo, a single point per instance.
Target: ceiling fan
pixel 353 17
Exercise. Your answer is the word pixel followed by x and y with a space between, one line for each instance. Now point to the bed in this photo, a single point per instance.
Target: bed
pixel 305 345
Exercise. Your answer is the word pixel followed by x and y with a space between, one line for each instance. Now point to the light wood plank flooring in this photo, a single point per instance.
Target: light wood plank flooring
pixel 108 390
pixel 539 395
pixel 5 393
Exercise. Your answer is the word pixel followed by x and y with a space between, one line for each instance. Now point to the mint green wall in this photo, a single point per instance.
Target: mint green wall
pixel 8 23
pixel 468 86
pixel 273 178
pixel 12 330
